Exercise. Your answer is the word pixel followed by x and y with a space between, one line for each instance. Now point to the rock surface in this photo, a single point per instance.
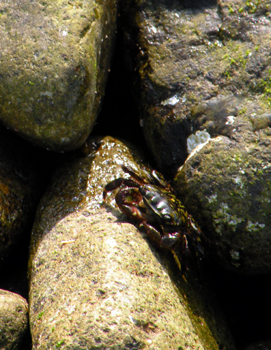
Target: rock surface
pixel 13 320
pixel 226 185
pixel 94 281
pixel 204 65
pixel 185 53
pixel 54 62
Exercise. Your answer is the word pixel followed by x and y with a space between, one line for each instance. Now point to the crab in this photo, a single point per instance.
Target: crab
pixel 152 203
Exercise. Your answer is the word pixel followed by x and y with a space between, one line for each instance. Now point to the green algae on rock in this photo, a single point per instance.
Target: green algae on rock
pixel 184 53
pixel 205 65
pixel 94 281
pixel 13 320
pixel 226 185
pixel 55 57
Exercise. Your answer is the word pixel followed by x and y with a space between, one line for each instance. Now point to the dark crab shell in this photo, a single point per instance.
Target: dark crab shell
pixel 151 202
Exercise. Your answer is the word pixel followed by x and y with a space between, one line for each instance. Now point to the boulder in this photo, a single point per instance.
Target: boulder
pixel 94 280
pixel 13 320
pixel 54 60
pixel 183 54
pixel 225 184
pixel 203 67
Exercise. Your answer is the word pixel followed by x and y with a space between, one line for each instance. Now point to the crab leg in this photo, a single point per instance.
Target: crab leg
pixel 153 234
pixel 113 185
pixel 131 172
pixel 168 241
pixel 129 203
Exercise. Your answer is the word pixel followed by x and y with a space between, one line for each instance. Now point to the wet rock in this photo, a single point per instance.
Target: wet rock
pixel 94 281
pixel 19 190
pixel 54 62
pixel 183 54
pixel 13 320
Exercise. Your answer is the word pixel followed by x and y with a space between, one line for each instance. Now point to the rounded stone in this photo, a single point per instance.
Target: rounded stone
pixel 54 60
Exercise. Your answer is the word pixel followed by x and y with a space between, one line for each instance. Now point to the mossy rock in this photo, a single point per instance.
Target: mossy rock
pixel 184 53
pixel 55 58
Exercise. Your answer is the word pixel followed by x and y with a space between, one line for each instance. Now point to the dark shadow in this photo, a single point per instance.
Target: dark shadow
pixel 201 300
pixel 245 301
pixel 119 116
pixel 199 4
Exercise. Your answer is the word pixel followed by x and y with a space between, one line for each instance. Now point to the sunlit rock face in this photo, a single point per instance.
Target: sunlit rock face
pixel 13 319
pixel 54 60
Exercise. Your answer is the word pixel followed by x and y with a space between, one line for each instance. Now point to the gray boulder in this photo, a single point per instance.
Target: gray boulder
pixel 202 67
pixel 183 53
pixel 226 185
pixel 54 62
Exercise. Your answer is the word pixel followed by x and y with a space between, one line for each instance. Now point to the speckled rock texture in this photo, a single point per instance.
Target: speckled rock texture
pixel 183 53
pixel 95 283
pixel 19 190
pixel 13 320
pixel 227 186
pixel 54 61
pixel 204 65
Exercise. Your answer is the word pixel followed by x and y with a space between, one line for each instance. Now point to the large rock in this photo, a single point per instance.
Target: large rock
pixel 226 185
pixel 19 190
pixel 183 53
pixel 94 281
pixel 13 320
pixel 54 62
pixel 204 65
